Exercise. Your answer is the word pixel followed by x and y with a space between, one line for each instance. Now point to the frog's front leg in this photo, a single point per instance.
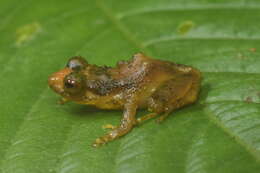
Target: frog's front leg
pixel 127 123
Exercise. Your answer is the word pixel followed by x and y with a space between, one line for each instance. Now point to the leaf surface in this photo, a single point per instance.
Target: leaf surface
pixel 218 134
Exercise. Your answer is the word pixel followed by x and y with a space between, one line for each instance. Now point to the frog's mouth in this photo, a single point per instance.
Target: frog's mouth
pixel 55 81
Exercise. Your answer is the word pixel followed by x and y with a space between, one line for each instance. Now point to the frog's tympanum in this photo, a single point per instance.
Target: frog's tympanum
pixel 142 82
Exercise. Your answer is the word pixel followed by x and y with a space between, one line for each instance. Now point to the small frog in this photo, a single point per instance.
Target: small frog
pixel 142 82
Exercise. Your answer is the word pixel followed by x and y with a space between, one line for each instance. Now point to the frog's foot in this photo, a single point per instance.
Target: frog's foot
pixel 114 134
pixel 163 116
pixel 104 139
pixel 62 101
pixel 109 126
pixel 146 117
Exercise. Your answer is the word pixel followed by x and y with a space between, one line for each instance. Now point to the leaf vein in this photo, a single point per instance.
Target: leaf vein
pixel 116 22
pixel 252 151
pixel 30 111
pixel 188 8
pixel 202 38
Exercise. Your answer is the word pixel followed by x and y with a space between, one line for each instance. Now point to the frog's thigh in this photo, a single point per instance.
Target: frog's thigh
pixel 175 94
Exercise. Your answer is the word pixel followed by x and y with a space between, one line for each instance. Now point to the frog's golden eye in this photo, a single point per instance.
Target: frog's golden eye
pixel 77 63
pixel 74 83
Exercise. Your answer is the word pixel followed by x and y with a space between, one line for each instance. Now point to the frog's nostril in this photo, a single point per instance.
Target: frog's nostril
pixel 55 81
pixel 52 80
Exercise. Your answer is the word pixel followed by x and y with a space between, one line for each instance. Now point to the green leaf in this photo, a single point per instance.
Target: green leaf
pixel 218 134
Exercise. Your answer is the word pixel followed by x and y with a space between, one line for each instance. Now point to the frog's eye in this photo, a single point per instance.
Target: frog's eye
pixel 77 63
pixel 74 83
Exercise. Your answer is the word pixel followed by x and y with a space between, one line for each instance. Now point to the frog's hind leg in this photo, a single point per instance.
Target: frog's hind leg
pixel 176 93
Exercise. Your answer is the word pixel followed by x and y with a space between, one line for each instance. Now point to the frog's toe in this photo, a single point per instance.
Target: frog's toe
pixel 98 142
pixel 164 115
pixel 162 118
pixel 146 117
pixel 109 126
pixel 105 139
pixel 62 101
pixel 159 120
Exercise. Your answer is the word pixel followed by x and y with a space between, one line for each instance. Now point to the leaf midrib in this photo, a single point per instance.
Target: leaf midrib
pixel 188 8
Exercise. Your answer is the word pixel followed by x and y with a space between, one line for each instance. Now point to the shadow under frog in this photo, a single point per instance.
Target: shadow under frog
pixel 142 82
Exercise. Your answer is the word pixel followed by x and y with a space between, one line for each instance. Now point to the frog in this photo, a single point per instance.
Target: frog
pixel 142 82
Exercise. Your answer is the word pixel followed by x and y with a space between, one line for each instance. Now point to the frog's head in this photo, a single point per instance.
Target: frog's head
pixel 70 82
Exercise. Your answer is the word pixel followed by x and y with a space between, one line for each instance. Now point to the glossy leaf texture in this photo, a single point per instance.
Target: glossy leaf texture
pixel 218 134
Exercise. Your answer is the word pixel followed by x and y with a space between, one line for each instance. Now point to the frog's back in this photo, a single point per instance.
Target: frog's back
pixel 164 81
pixel 141 66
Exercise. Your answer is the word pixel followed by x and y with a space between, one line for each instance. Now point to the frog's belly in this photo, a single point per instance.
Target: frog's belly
pixel 108 105
pixel 110 102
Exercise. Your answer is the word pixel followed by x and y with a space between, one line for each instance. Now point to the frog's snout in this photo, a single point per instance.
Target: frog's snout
pixel 55 81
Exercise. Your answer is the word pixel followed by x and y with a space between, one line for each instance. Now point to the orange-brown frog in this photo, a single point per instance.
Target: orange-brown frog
pixel 142 82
